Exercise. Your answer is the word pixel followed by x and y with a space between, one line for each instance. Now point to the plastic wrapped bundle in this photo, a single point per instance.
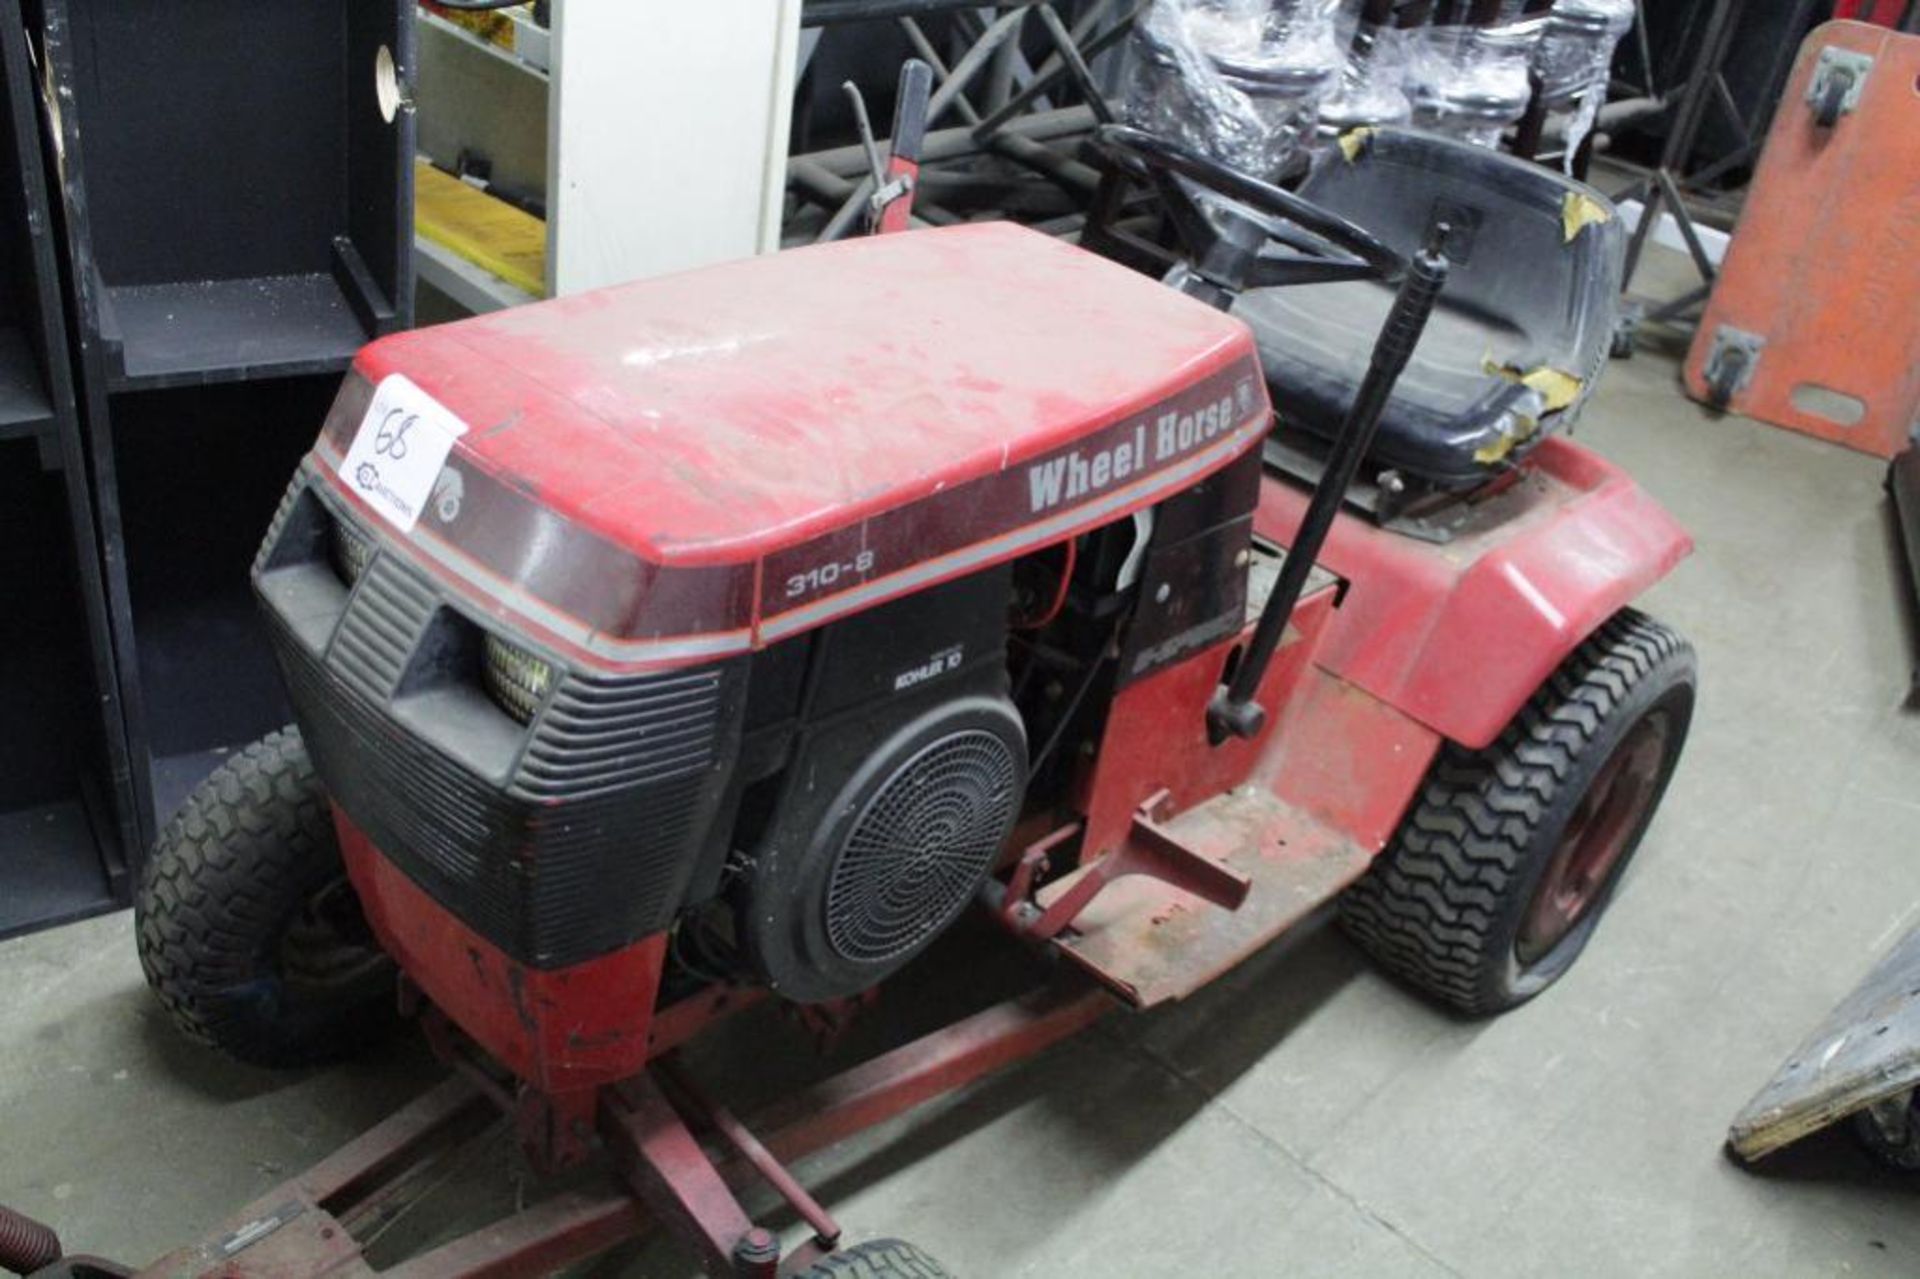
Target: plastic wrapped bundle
pixel 1473 82
pixel 1373 86
pixel 1575 57
pixel 1575 53
pixel 1238 80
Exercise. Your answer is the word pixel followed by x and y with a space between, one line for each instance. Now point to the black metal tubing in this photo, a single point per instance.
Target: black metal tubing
pixel 1233 711
pixel 1722 21
pixel 1069 51
pixel 1048 79
pixel 827 13
pixel 952 143
pixel 924 49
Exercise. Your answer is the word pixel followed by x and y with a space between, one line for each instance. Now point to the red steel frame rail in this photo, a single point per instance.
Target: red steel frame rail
pixel 307 1226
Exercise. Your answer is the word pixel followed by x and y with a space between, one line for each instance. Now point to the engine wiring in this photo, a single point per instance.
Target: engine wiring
pixel 1060 593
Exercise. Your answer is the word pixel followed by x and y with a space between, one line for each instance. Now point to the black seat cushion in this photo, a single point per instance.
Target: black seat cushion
pixel 1314 343
pixel 1522 295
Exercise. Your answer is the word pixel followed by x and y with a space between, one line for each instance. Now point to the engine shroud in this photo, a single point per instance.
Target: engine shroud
pixel 901 782
pixel 858 778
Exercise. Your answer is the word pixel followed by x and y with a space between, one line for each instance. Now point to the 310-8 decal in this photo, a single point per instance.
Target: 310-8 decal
pixel 822 576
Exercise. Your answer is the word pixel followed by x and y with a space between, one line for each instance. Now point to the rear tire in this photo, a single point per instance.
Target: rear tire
pixel 877 1259
pixel 247 927
pixel 1510 855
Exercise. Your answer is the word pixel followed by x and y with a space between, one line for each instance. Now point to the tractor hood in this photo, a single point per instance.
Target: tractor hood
pixel 795 435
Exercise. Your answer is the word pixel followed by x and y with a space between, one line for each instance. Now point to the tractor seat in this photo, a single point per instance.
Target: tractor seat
pixel 1520 332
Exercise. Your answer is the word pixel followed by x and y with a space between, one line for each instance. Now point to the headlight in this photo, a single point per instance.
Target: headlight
pixel 515 678
pixel 351 553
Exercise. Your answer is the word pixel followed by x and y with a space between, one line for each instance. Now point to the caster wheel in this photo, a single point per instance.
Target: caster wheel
pixel 1890 1131
pixel 877 1259
pixel 1625 340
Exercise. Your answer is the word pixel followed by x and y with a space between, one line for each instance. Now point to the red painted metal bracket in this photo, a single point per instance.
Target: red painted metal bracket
pixel 312 1225
pixel 664 1163
pixel 1148 850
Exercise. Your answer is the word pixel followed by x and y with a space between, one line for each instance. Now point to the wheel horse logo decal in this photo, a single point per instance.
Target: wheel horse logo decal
pixel 1152 444
pixel 1162 444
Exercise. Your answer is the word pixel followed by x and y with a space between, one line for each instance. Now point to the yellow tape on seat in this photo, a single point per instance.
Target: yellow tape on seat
pixel 1578 210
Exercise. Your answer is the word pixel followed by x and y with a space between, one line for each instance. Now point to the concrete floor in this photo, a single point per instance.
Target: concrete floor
pixel 1303 1116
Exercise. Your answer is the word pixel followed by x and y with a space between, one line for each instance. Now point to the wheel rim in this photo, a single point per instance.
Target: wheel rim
pixel 327 945
pixel 1597 837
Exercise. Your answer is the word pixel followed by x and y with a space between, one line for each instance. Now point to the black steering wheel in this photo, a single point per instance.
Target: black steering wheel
pixel 1229 250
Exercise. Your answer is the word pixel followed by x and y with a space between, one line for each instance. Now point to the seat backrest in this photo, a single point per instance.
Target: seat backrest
pixel 1530 247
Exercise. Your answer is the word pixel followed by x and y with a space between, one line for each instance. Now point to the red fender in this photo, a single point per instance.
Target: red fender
pixel 1458 636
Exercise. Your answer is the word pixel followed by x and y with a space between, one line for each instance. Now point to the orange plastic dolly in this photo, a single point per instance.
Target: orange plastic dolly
pixel 1813 324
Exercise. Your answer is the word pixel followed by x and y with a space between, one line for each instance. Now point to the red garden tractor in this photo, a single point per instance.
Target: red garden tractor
pixel 722 638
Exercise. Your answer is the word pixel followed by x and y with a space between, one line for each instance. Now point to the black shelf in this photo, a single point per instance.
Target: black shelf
pixel 66 812
pixel 237 182
pixel 181 334
pixel 25 410
pixel 60 844
pixel 50 867
pixel 189 478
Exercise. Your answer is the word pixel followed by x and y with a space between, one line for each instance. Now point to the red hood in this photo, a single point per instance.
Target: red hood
pixel 714 416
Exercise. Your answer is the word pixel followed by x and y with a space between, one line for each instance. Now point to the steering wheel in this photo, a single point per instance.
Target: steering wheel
pixel 1226 249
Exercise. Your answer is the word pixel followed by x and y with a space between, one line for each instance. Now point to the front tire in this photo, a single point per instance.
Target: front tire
pixel 247 928
pixel 1510 855
pixel 877 1259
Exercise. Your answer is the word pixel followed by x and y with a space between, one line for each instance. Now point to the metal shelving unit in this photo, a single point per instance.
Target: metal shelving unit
pixel 229 172
pixel 574 136
pixel 236 191
pixel 64 803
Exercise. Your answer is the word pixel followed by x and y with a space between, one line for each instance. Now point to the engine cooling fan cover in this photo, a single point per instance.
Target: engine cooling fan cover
pixel 919 845
pixel 895 855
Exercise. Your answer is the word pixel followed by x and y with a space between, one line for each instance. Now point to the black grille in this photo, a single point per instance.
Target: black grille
pixel 918 848
pixel 601 732
pixel 382 627
pixel 296 491
pixel 557 843
pixel 552 883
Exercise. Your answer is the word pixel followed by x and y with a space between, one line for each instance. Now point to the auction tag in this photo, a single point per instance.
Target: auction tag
pixel 402 443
